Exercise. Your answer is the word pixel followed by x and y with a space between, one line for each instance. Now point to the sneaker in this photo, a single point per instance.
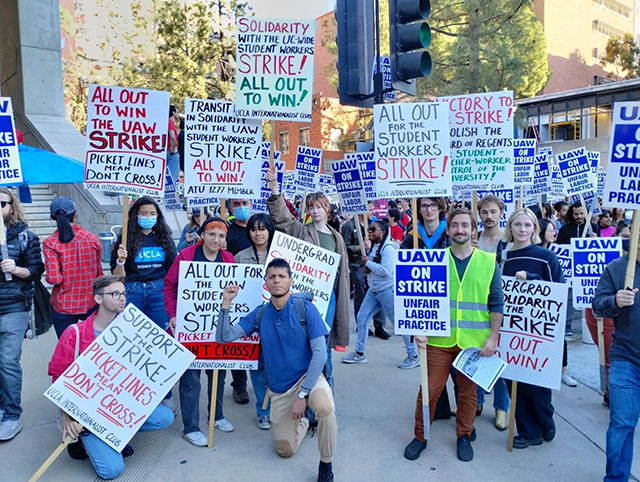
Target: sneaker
pixel 196 438
pixel 264 423
pixel 354 357
pixel 568 334
pixel 170 404
pixel 568 380
pixel 465 450
pixel 605 400
pixel 76 451
pixel 241 397
pixel 479 410
pixel 414 449
pixel 224 425
pixel 502 420
pixel 127 451
pixel 410 362
pixel 381 333
pixel 549 435
pixel 325 472
pixel 9 429
pixel 522 443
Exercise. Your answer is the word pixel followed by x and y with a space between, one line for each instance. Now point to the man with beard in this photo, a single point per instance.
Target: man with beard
pixel 491 210
pixel 477 301
pixel 575 224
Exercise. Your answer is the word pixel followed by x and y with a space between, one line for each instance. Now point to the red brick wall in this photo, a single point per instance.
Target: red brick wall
pixel 322 58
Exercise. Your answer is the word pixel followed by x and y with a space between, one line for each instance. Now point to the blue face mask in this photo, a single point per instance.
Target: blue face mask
pixel 625 244
pixel 242 213
pixel 147 223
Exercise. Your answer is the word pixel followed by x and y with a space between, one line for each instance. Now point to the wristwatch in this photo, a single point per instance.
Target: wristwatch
pixel 303 395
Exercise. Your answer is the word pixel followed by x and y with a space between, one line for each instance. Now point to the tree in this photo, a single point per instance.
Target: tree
pixel 623 55
pixel 480 46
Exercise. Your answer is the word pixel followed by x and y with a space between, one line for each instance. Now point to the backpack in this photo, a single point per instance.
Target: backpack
pixel 298 302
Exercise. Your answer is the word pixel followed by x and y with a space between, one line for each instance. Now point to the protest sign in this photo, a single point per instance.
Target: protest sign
pixel 532 333
pixel 589 258
pixel 260 204
pixel 307 169
pixel 524 151
pixel 313 269
pixel 127 140
pixel 289 185
pixel 509 205
pixel 198 202
pixel 412 150
pixel 367 163
pixel 220 151
pixel 381 209
pixel 563 253
pixel 385 68
pixel 200 286
pixel 349 186
pixel 10 169
pixel 622 184
pixel 422 293
pixel 121 377
pixel 274 69
pixel 541 176
pixel 328 187
pixel 481 131
pixel 556 189
pixel 575 169
pixel 171 197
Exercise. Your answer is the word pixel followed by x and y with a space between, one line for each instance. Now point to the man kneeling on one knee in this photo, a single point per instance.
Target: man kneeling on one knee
pixel 294 353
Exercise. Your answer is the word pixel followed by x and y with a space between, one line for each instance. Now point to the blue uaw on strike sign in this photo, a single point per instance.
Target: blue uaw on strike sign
pixel 589 258
pixel 622 182
pixel 422 293
pixel 10 170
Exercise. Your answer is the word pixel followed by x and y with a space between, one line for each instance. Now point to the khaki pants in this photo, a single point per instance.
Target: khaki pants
pixel 289 433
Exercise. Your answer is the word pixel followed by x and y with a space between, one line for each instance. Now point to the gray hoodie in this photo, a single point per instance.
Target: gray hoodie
pixel 626 337
pixel 382 274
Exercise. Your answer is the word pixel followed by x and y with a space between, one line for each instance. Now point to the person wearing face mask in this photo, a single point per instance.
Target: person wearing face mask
pixel 260 230
pixel 238 240
pixel 208 248
pixel 526 260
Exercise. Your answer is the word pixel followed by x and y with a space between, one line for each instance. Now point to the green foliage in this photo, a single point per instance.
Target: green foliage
pixel 624 56
pixel 480 46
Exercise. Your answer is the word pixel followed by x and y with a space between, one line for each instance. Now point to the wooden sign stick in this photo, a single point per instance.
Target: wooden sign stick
pixel 363 251
pixel 125 221
pixel 603 372
pixel 4 250
pixel 521 200
pixel 424 372
pixel 212 410
pixel 223 208
pixel 474 210
pixel 587 219
pixel 54 455
pixel 272 148
pixel 631 264
pixel 512 414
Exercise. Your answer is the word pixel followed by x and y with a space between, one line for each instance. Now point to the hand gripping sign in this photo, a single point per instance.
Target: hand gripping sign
pixel 120 378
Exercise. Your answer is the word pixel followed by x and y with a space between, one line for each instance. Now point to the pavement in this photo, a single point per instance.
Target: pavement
pixel 375 405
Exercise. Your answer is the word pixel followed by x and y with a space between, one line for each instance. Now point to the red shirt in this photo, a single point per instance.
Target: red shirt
pixel 71 268
pixel 397 233
pixel 172 127
pixel 64 353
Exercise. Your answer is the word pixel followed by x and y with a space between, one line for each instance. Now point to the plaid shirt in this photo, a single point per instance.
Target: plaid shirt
pixel 71 268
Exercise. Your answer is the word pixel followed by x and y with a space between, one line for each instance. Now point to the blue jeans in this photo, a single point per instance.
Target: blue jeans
pixel 259 382
pixel 331 314
pixel 149 298
pixel 108 463
pixel 173 163
pixel 62 321
pixel 624 403
pixel 12 329
pixel 371 304
pixel 190 398
pixel 501 398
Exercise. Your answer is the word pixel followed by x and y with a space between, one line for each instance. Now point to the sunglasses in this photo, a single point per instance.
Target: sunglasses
pixel 5 203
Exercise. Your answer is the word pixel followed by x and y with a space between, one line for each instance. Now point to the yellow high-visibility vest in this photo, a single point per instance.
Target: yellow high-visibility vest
pixel 470 319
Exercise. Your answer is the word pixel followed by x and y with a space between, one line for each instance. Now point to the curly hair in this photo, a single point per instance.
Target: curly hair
pixel 17 215
pixel 135 236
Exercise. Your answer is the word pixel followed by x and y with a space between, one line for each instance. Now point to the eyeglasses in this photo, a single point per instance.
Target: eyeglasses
pixel 4 203
pixel 429 207
pixel 116 295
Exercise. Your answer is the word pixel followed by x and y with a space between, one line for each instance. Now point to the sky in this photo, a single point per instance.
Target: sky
pixel 301 9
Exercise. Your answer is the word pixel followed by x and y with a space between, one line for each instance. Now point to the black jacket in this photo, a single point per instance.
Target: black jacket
pixel 24 248
pixel 442 243
pixel 350 236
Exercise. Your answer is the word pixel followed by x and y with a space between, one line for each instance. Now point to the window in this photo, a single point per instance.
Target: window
pixel 336 134
pixel 305 137
pixel 606 29
pixel 284 142
pixel 615 6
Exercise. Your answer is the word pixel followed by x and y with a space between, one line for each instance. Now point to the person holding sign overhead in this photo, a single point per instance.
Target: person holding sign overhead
pixel 477 303
pixel 294 355
pixel 18 272
pixel 208 248
pixel 318 232
pixel 527 261
pixel 110 296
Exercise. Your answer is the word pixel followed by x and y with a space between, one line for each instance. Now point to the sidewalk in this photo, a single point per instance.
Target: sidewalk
pixel 375 404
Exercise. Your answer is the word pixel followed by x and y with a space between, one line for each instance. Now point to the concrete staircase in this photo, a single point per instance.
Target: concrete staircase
pixel 37 212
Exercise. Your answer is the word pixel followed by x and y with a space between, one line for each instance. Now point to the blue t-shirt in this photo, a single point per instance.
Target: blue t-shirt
pixel 285 345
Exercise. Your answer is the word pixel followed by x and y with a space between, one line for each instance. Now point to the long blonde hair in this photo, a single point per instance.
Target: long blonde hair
pixel 535 236
pixel 17 215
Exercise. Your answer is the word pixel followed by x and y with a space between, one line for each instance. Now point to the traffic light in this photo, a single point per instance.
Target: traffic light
pixel 409 35
pixel 355 41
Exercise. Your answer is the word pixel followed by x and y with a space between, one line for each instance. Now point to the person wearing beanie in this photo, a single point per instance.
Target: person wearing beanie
pixel 72 257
